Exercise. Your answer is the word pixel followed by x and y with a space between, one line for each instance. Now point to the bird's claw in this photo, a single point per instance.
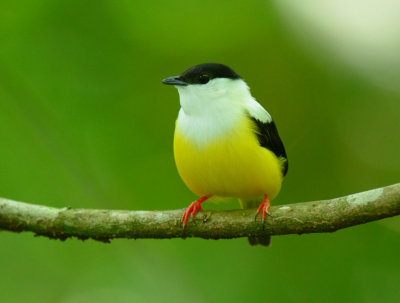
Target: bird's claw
pixel 264 208
pixel 192 210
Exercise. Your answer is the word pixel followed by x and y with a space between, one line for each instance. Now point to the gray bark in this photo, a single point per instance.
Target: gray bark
pixel 104 225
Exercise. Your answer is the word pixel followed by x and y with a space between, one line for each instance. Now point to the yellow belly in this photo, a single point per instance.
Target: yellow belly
pixel 234 165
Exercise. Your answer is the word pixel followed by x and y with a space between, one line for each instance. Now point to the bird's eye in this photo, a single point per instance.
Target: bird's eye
pixel 204 79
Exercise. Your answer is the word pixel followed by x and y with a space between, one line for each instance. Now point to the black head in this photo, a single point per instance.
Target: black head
pixel 202 74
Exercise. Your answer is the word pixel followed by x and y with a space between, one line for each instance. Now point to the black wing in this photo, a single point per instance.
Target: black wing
pixel 267 135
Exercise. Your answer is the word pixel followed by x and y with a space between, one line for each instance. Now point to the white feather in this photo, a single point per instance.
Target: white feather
pixel 208 111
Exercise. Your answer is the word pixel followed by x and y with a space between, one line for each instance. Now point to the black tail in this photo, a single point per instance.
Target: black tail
pixel 264 241
pixel 260 240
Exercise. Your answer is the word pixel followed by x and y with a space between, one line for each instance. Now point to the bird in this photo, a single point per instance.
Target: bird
pixel 226 145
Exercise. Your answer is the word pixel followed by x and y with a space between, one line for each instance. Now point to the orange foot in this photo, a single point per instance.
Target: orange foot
pixel 264 207
pixel 193 209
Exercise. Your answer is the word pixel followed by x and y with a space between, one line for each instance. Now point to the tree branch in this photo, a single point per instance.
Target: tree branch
pixel 103 225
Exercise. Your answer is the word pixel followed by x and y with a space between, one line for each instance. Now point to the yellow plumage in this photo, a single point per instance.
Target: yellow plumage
pixel 234 165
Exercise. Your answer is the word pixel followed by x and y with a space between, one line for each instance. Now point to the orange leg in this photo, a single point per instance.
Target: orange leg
pixel 264 207
pixel 193 209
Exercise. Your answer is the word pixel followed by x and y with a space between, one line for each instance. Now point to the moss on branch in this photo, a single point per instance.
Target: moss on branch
pixel 104 225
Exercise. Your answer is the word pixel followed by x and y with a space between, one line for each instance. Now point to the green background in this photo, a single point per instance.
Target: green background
pixel 85 122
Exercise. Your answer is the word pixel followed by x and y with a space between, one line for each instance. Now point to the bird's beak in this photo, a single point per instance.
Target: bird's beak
pixel 175 80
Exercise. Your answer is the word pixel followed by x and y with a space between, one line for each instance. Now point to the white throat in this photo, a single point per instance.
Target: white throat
pixel 209 111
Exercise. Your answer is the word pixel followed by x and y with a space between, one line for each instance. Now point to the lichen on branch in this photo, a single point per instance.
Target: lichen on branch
pixel 104 225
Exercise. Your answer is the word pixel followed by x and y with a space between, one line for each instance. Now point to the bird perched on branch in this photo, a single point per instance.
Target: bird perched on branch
pixel 226 144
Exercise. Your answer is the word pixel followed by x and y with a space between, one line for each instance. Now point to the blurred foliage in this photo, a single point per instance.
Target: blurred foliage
pixel 84 121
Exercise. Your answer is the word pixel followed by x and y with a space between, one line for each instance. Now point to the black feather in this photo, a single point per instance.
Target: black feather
pixel 268 137
pixel 260 240
pixel 211 70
